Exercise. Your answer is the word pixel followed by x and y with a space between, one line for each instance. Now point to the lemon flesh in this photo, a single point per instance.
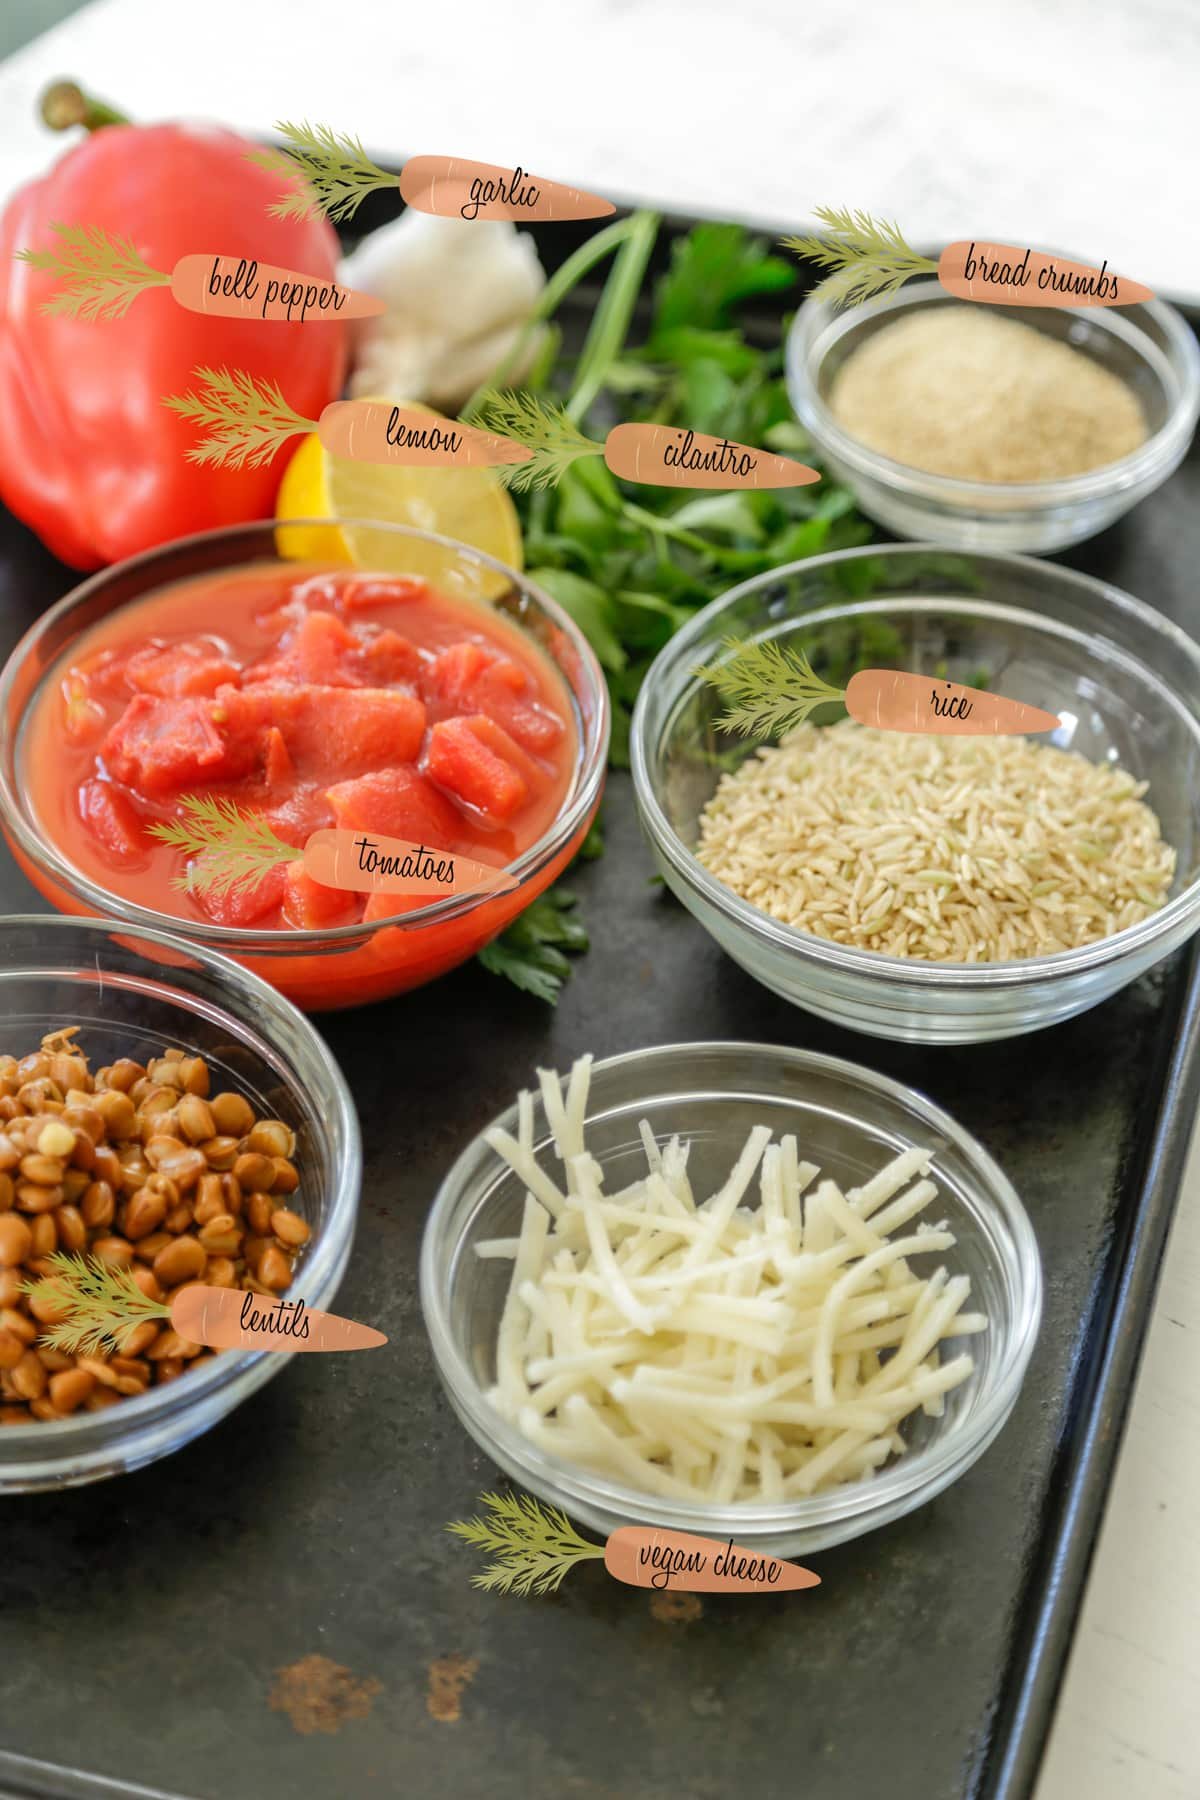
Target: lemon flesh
pixel 356 498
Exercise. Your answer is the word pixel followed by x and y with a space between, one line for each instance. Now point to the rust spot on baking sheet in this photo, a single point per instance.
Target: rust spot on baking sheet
pixel 676 1609
pixel 320 1695
pixel 449 1677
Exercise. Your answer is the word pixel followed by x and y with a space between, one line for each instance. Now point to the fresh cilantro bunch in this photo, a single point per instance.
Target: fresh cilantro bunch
pixel 631 564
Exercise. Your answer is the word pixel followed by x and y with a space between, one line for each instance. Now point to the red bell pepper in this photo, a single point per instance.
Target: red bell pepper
pixel 89 455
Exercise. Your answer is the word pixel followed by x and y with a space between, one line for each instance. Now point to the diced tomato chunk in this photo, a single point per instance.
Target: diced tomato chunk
pixel 179 669
pixel 318 650
pixel 161 745
pixel 503 699
pixel 384 905
pixel 83 716
pixel 112 820
pixel 390 657
pixel 460 760
pixel 455 670
pixel 296 815
pixel 246 905
pixel 331 731
pixel 352 730
pixel 362 592
pixel 468 677
pixel 310 906
pixel 320 593
pixel 497 740
pixel 106 672
pixel 278 767
pixel 397 803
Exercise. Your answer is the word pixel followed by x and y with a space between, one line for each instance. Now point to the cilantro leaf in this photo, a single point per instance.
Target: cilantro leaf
pixel 712 269
pixel 631 564
pixel 530 953
pixel 591 609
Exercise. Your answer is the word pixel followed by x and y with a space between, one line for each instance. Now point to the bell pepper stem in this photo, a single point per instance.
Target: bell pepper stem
pixel 64 104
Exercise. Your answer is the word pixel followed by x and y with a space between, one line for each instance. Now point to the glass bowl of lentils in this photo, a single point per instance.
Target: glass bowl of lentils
pixel 164 1112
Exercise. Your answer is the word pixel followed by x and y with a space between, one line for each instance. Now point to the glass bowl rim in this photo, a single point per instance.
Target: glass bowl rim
pixel 1016 973
pixel 1182 392
pixel 320 1274
pixel 923 1472
pixel 589 769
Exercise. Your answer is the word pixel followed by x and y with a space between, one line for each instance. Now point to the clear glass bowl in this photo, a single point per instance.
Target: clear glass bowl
pixel 1150 346
pixel 351 964
pixel 1124 679
pixel 137 995
pixel 850 1122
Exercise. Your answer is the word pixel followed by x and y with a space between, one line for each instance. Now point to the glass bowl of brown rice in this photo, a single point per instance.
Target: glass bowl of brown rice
pixel 995 427
pixel 935 889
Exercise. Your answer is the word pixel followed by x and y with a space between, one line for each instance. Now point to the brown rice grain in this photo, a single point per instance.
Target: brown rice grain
pixel 944 849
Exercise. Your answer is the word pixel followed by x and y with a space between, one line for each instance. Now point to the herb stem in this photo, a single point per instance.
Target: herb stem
pixel 660 524
pixel 567 276
pixel 65 103
pixel 611 319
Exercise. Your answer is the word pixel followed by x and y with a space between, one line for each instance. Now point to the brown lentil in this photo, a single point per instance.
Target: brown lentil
pixel 234 1116
pixel 254 1172
pixel 259 1212
pixel 70 1389
pixel 16 1239
pixel 143 1167
pixel 289 1227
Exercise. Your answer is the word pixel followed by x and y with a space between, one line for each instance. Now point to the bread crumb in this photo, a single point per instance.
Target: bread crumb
pixel 960 391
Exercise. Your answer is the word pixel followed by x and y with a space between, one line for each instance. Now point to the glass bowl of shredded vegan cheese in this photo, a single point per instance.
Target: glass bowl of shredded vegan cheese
pixel 995 427
pixel 734 1289
pixel 931 888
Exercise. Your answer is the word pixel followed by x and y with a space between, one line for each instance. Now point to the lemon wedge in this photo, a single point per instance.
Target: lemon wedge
pixel 469 505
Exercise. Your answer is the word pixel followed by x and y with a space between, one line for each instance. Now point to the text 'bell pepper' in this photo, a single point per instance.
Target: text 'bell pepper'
pixel 90 457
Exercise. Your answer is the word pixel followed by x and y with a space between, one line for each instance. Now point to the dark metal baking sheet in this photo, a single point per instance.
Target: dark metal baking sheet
pixel 142 1622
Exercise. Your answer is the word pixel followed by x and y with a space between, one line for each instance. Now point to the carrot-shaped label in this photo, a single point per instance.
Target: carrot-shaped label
pixel 328 173
pixel 376 431
pixel 863 256
pixel 665 456
pixel 770 688
pixel 645 1556
pixel 228 1319
pixel 535 1546
pixel 247 421
pixel 1007 273
pixel 243 288
pixel 91 1307
pixel 452 188
pixel 893 701
pixel 341 858
pixel 99 276
pixel 231 851
pixel 660 455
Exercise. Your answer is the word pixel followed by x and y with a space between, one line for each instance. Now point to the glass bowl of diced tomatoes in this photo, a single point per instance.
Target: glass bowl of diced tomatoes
pixel 465 712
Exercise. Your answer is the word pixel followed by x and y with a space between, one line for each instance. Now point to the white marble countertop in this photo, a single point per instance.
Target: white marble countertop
pixel 1065 122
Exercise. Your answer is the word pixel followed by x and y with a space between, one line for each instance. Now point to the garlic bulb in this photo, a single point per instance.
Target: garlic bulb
pixel 457 295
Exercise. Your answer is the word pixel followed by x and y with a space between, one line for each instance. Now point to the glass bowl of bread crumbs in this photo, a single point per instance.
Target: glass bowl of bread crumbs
pixel 166 1113
pixel 742 1290
pixel 935 889
pixel 995 427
